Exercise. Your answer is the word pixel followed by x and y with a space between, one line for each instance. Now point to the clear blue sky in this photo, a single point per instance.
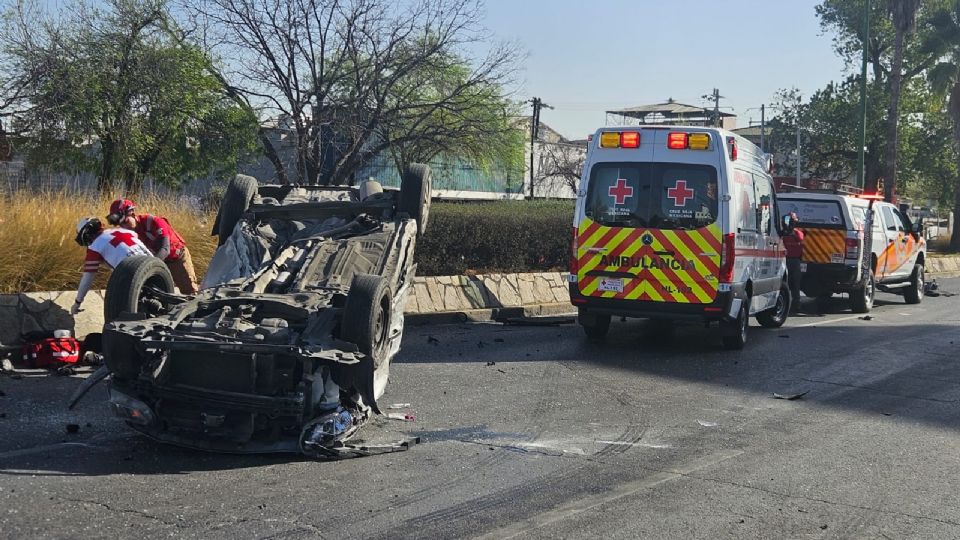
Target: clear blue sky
pixel 588 56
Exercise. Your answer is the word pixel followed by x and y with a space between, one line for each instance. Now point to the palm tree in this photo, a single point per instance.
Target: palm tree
pixel 945 79
pixel 904 16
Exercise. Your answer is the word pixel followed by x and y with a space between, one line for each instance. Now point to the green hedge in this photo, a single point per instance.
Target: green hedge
pixel 501 236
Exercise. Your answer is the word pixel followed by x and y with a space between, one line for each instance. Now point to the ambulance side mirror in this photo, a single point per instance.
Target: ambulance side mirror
pixel 917 229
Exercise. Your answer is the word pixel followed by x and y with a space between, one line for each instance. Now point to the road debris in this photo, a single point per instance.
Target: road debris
pixel 538 321
pixel 498 340
pixel 432 340
pixel 866 318
pixel 403 417
pixel 73 428
pixel 705 423
pixel 790 397
pixel 501 371
pixel 398 406
pixel 491 363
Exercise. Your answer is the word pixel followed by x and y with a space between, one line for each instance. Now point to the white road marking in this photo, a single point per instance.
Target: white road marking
pixel 573 508
pixel 828 321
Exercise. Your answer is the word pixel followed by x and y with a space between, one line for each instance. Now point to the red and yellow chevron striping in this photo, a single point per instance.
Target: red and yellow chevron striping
pixel 649 264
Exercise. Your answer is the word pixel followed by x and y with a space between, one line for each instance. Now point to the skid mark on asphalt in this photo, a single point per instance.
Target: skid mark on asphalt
pixel 573 508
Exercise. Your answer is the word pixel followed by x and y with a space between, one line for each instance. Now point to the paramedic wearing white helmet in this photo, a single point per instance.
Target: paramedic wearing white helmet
pixel 103 245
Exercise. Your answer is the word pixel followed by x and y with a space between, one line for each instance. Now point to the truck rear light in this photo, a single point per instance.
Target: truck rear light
pixel 630 139
pixel 728 254
pixel 853 247
pixel 677 141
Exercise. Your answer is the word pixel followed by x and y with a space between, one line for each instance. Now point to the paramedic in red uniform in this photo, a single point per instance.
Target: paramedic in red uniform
pixel 161 238
pixel 111 246
pixel 793 242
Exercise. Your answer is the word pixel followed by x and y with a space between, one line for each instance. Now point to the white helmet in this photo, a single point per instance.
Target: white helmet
pixel 87 230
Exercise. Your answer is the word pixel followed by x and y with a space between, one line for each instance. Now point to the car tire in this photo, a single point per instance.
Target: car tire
pixel 861 299
pixel 595 326
pixel 914 293
pixel 777 315
pixel 366 317
pixel 127 283
pixel 734 333
pixel 240 192
pixel 415 192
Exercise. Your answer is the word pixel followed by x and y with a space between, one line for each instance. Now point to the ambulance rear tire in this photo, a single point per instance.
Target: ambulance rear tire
pixel 914 293
pixel 595 326
pixel 777 315
pixel 735 332
pixel 128 282
pixel 861 299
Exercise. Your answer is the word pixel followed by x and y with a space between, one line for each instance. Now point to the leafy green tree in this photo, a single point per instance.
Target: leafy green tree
pixel 903 15
pixel 944 77
pixel 107 88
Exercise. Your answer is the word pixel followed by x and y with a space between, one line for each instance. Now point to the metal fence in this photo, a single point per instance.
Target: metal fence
pixel 450 174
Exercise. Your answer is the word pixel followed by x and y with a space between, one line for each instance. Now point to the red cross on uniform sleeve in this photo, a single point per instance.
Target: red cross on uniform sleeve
pixel 679 193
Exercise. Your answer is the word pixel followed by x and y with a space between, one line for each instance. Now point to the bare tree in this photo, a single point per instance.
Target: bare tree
pixel 561 163
pixel 355 78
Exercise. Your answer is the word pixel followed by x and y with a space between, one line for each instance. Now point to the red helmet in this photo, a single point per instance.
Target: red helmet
pixel 120 209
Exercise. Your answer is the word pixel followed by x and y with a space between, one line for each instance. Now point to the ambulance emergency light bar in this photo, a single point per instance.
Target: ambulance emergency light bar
pixel 620 139
pixel 679 140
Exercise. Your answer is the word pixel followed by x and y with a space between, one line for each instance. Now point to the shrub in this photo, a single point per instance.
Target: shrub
pixel 502 236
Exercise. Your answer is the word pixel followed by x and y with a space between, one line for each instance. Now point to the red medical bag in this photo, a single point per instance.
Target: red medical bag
pixel 51 352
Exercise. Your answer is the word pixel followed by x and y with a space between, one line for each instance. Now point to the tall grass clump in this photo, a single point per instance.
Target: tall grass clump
pixel 37 231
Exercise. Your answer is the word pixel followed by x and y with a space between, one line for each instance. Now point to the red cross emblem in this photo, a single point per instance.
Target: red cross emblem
pixel 620 191
pixel 679 193
pixel 119 236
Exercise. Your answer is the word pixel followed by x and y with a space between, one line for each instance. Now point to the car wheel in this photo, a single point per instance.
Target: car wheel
pixel 415 192
pixel 777 315
pixel 128 285
pixel 366 317
pixel 236 201
pixel 861 299
pixel 735 332
pixel 914 293
pixel 595 326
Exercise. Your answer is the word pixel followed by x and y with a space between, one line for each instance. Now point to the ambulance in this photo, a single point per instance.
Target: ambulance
pixel 677 223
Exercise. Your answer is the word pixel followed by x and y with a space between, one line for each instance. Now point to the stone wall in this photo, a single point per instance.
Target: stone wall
pixel 28 312
pixel 22 313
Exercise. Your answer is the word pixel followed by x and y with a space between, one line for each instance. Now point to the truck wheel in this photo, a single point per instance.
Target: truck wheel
pixel 734 333
pixel 415 192
pixel 777 315
pixel 236 201
pixel 914 293
pixel 861 299
pixel 366 317
pixel 128 283
pixel 595 326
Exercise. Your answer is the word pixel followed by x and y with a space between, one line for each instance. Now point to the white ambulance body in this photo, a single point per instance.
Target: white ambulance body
pixel 677 222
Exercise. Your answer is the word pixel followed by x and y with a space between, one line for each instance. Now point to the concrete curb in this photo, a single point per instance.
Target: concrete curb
pixel 434 300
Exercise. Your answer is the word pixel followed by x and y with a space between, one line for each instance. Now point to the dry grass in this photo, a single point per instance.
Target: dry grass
pixel 37 231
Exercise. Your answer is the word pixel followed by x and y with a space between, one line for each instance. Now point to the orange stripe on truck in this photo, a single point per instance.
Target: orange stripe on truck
pixel 823 245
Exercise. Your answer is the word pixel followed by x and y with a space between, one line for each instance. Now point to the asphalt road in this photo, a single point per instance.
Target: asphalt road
pixel 532 432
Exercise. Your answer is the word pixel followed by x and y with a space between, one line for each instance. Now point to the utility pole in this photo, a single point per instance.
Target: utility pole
pixel 763 127
pixel 861 178
pixel 715 97
pixel 535 132
pixel 798 140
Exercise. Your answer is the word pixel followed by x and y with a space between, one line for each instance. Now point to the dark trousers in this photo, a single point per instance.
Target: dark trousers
pixel 794 277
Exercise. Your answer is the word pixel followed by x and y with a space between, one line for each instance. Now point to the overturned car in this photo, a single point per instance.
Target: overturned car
pixel 288 344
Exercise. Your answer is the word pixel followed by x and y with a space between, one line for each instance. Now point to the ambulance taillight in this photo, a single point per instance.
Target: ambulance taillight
pixel 574 265
pixel 732 143
pixel 630 139
pixel 677 141
pixel 728 255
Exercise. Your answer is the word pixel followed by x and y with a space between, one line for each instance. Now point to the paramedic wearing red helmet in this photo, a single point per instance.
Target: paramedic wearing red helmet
pixel 111 246
pixel 161 238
